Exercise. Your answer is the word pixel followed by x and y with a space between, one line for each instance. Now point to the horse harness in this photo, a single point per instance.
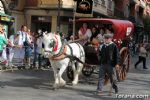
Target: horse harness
pixel 62 54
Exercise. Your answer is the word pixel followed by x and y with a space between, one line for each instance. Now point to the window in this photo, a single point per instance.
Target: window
pixel 96 3
pixel 13 4
pixel 103 2
pixel 109 4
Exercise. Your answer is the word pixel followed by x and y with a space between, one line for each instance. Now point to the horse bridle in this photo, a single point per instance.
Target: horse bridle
pixel 52 43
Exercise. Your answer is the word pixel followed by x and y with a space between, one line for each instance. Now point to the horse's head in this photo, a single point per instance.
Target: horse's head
pixel 51 42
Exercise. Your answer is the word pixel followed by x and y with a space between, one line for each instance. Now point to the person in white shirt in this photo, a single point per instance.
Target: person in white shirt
pixel 143 54
pixel 38 49
pixel 21 39
pixel 28 44
pixel 84 34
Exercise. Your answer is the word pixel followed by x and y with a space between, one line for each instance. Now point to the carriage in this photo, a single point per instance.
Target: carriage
pixel 122 30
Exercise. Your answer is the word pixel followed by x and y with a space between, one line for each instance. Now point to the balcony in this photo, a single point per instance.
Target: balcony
pixel 54 4
pixel 109 12
pixel 99 7
pixel 47 3
pixel 118 13
pixel 110 8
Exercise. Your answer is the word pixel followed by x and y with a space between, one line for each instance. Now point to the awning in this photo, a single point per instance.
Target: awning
pixel 6 18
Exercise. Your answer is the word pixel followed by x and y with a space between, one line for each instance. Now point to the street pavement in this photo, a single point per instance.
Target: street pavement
pixel 37 85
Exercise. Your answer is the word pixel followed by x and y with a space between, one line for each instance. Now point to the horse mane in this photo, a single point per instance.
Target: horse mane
pixel 53 34
pixel 50 33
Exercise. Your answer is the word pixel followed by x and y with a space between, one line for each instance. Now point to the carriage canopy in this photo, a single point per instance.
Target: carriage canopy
pixel 121 28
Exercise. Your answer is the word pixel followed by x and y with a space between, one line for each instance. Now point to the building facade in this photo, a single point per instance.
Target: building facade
pixel 43 14
pixel 49 14
pixel 139 11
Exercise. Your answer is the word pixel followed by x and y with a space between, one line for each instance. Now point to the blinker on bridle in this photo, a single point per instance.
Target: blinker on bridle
pixel 52 43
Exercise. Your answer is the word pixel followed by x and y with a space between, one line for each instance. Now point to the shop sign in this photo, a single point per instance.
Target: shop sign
pixel 5 18
pixel 84 7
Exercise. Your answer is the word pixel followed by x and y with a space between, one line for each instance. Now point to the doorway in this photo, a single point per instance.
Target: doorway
pixel 44 26
pixel 43 23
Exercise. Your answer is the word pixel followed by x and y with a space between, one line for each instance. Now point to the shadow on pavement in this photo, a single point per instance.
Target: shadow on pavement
pixel 91 94
pixel 31 83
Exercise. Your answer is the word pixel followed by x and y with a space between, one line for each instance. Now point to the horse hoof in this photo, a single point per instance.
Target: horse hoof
pixel 74 83
pixel 55 89
pixel 63 84
pixel 55 86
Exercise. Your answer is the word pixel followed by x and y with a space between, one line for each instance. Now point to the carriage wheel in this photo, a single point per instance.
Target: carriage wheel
pixel 87 70
pixel 124 66
pixel 70 73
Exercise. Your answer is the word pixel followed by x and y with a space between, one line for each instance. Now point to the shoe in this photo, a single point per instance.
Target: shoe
pixel 31 67
pixel 115 88
pixel 23 67
pixel 145 68
pixel 99 93
pixel 135 66
pixel 19 67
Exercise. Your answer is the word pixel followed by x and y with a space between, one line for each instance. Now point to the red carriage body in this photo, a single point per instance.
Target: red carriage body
pixel 122 30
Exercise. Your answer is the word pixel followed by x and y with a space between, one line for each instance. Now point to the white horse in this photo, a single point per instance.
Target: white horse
pixel 61 55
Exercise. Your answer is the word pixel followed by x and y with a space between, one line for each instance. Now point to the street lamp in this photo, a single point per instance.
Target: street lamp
pixel 58 17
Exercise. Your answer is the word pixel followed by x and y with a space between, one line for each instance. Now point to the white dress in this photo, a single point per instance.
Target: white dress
pixel 19 53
